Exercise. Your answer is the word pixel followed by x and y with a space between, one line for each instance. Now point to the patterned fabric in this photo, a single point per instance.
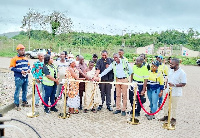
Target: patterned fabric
pixel 73 100
pixel 37 70
pixel 73 86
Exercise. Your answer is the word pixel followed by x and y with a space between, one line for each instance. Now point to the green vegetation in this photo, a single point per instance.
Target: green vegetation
pixel 89 43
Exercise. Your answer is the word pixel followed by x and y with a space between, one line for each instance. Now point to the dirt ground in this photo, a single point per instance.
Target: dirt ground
pixel 105 124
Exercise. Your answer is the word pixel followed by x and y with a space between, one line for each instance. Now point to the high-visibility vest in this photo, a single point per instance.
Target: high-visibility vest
pixel 47 81
pixel 163 68
pixel 125 67
pixel 140 73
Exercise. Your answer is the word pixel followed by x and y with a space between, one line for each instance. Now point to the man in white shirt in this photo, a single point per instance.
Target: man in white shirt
pixel 62 66
pixel 177 80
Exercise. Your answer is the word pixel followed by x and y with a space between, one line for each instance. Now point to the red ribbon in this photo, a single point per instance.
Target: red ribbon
pixel 157 110
pixel 43 100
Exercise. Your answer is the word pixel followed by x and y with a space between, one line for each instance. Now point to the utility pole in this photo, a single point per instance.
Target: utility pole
pixel 13 45
pixel 29 35
pixel 123 40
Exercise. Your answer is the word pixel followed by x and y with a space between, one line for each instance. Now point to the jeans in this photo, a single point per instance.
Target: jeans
pixel 58 90
pixel 20 83
pixel 160 100
pixel 153 98
pixel 131 96
pixel 50 92
pixel 41 89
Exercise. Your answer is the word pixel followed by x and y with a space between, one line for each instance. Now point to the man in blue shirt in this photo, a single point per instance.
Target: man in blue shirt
pixel 122 70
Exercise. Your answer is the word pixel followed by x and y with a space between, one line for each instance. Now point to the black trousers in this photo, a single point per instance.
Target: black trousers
pixel 105 89
pixel 142 98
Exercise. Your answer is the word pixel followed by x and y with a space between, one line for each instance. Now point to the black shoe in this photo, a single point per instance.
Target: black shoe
pixel 109 108
pixel 137 114
pixel 123 113
pixel 25 104
pixel 80 107
pixel 165 118
pixel 130 112
pixel 54 109
pixel 99 108
pixel 117 111
pixel 47 111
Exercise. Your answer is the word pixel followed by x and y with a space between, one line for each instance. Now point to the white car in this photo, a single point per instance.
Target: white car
pixel 34 53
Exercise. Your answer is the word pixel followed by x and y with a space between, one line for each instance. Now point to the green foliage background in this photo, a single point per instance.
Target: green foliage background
pixel 89 43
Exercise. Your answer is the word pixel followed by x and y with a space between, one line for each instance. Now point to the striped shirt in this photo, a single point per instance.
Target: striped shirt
pixel 17 64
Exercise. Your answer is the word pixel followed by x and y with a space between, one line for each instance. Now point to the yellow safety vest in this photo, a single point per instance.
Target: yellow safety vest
pixel 163 68
pixel 140 73
pixel 47 81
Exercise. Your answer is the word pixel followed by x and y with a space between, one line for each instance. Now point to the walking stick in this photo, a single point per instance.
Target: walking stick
pixel 168 125
pixel 64 114
pixel 133 120
pixel 33 113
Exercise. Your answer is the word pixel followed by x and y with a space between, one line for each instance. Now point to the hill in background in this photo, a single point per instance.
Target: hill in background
pixel 10 34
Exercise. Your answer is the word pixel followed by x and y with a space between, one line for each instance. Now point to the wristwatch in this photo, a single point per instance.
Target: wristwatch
pixel 174 85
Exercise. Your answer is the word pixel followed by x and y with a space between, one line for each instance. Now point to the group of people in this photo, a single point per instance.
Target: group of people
pixel 152 78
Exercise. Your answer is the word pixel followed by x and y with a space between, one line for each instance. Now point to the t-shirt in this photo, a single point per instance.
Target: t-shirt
pixel 101 65
pixel 62 67
pixel 176 77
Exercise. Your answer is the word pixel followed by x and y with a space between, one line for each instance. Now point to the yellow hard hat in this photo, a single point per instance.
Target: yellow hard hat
pixel 20 46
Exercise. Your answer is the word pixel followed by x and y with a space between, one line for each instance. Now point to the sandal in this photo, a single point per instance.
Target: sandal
pixel 85 111
pixel 76 111
pixel 93 110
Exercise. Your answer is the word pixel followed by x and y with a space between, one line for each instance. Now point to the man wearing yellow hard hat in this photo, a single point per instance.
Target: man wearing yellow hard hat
pixel 21 67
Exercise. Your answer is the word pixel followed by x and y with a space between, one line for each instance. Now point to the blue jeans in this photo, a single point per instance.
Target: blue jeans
pixel 50 92
pixel 20 83
pixel 41 89
pixel 160 100
pixel 58 90
pixel 153 98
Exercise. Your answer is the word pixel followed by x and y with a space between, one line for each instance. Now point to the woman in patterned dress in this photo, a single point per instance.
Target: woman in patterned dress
pixel 73 100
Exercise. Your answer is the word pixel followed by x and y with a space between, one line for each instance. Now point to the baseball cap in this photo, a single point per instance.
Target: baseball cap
pixel 156 63
pixel 160 56
pixel 20 46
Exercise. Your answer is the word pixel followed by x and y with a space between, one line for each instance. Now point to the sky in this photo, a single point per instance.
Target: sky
pixel 108 16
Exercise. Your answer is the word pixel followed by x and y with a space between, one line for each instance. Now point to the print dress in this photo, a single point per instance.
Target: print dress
pixel 73 100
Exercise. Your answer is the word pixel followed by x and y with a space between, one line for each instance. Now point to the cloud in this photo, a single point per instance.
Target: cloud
pixel 109 15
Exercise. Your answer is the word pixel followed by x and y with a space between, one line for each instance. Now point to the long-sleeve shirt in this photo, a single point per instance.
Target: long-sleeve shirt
pixel 120 73
pixel 19 63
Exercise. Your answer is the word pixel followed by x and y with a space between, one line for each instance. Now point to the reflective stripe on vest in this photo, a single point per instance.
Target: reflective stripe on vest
pixel 125 68
pixel 47 81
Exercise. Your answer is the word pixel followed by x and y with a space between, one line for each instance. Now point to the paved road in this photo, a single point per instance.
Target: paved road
pixel 105 124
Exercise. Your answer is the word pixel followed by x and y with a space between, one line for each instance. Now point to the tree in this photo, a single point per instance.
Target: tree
pixel 57 21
